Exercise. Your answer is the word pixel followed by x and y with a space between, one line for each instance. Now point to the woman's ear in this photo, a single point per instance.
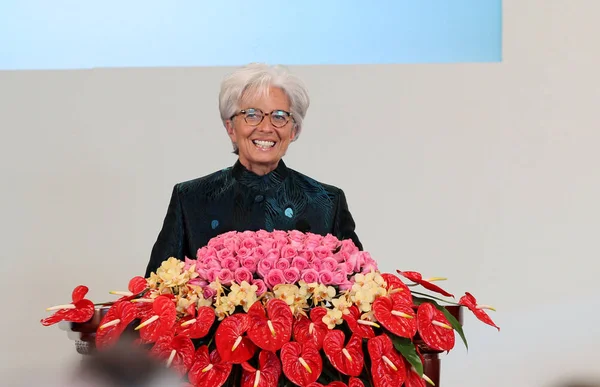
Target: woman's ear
pixel 230 130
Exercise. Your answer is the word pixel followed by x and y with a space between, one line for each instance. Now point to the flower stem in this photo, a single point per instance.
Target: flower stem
pixel 435 298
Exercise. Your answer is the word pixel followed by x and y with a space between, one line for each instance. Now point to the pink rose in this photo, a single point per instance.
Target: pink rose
pixel 316 264
pixel 341 256
pixel 208 293
pixel 288 252
pixel 329 264
pixel 250 263
pixel 268 244
pixel 202 274
pixel 274 277
pixel 265 266
pixel 243 253
pixel 281 242
pixel 224 254
pixel 216 243
pixel 262 234
pixel 309 276
pixel 292 275
pixel 230 263
pixel 347 285
pixel 325 277
pixel 188 263
pixel 346 266
pixel 312 241
pixel 368 263
pixel 322 252
pixel 249 243
pixel 213 264
pixel 206 252
pixel 261 287
pixel 307 254
pixel 248 234
pixel 330 242
pixel 353 262
pixel 279 234
pixel 296 238
pixel 273 254
pixel 232 243
pixel 242 274
pixel 349 246
pixel 259 253
pixel 211 274
pixel 339 277
pixel 299 263
pixel 282 264
pixel 368 268
pixel 225 276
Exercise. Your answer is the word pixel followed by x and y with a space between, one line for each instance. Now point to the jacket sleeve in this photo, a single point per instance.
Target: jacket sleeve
pixel 170 241
pixel 343 226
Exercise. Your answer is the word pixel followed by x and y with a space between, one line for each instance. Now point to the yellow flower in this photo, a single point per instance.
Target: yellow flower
pixel 332 318
pixel 286 292
pixel 342 303
pixel 322 293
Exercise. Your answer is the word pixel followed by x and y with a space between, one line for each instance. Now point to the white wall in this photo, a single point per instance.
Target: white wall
pixel 484 173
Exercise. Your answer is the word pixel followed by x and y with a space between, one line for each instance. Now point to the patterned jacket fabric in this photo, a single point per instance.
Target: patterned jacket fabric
pixel 236 199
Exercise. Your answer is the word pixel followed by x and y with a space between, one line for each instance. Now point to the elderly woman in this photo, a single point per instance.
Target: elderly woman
pixel 262 108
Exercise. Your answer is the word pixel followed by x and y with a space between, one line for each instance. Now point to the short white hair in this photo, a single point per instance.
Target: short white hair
pixel 257 78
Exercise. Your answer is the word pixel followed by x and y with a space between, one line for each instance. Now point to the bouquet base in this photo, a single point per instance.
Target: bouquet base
pixel 84 335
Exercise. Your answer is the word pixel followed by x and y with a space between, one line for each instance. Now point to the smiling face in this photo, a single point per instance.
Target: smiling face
pixel 262 146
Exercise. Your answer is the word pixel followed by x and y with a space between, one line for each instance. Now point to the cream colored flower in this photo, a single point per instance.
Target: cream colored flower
pixel 332 318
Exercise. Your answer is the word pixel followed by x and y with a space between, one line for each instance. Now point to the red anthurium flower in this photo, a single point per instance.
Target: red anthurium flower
pixel 136 285
pixel 232 343
pixel 426 283
pixel 208 371
pixel 114 322
pixel 196 327
pixel 355 382
pixel 268 373
pixel 270 333
pixel 311 330
pixel 470 302
pixel 398 288
pixel 361 328
pixel 387 366
pixel 332 384
pixel 178 351
pixel 79 311
pixel 434 328
pixel 349 360
pixel 162 321
pixel 302 363
pixel 413 379
pixel 395 315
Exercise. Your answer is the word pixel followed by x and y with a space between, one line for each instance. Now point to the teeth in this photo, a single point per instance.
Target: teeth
pixel 265 144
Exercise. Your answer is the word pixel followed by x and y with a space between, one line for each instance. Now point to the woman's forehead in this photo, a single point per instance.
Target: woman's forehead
pixel 269 98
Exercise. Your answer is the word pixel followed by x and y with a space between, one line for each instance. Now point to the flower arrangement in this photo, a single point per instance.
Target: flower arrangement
pixel 281 308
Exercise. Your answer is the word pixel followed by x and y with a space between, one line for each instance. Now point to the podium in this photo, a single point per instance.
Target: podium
pixel 84 335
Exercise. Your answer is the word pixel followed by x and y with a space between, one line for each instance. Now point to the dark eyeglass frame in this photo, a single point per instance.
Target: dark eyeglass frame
pixel 262 115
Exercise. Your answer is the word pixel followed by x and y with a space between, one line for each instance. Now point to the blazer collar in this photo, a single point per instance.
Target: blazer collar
pixel 271 180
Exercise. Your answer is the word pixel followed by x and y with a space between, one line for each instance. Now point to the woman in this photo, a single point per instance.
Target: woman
pixel 262 108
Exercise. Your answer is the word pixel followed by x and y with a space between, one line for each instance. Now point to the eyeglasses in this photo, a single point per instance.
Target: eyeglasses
pixel 252 116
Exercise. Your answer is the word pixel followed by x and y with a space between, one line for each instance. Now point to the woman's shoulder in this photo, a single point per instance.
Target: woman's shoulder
pixel 301 178
pixel 215 180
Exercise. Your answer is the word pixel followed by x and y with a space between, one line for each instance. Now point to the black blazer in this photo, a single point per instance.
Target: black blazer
pixel 236 199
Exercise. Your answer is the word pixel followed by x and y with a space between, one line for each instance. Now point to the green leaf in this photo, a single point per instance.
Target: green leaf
pixel 432 297
pixel 451 319
pixel 408 350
